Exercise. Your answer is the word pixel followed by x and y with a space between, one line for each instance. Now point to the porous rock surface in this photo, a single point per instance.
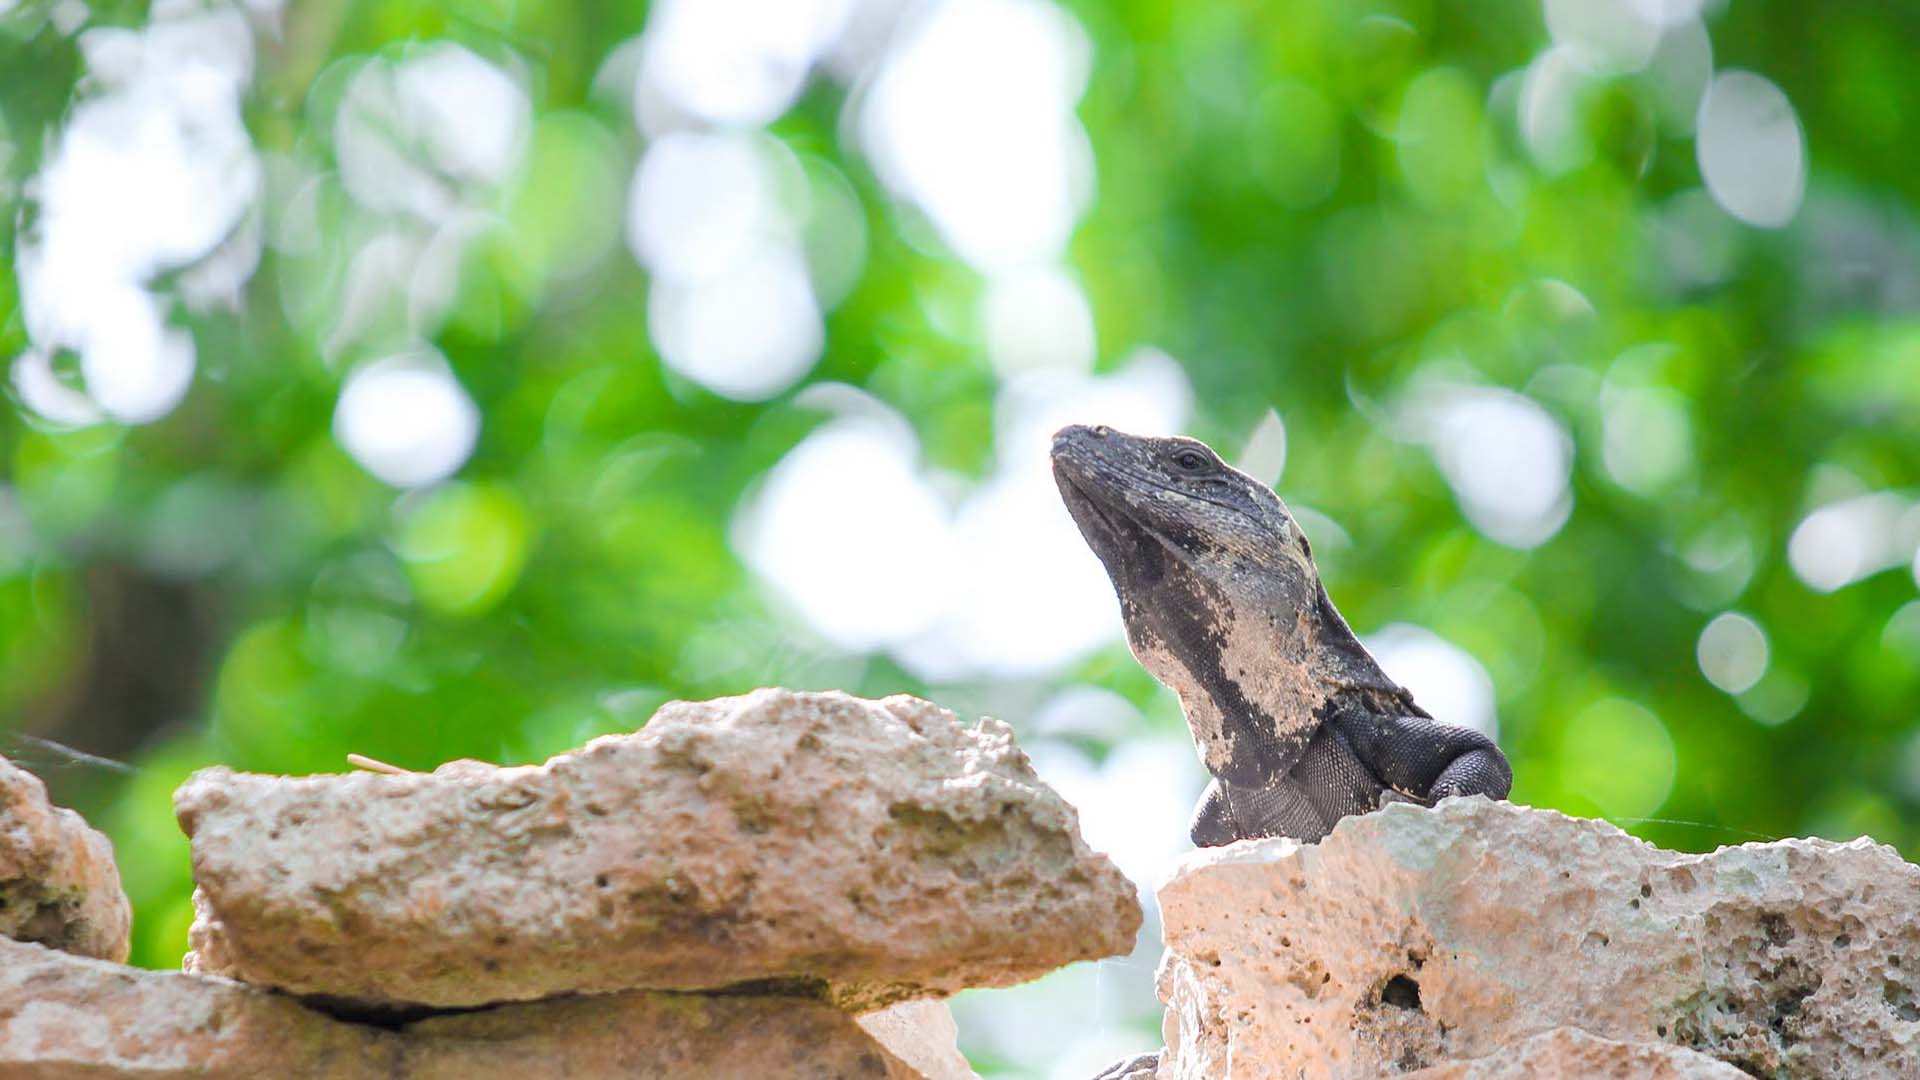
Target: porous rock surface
pixel 864 851
pixel 1572 1054
pixel 68 1018
pixel 58 883
pixel 1411 938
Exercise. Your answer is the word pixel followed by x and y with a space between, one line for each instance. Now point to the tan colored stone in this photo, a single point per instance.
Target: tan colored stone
pixel 648 1034
pixel 1413 937
pixel 878 851
pixel 1572 1054
pixel 922 1034
pixel 58 883
pixel 65 1017
pixel 69 1018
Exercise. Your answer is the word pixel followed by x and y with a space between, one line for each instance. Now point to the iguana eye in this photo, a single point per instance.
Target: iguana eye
pixel 1192 461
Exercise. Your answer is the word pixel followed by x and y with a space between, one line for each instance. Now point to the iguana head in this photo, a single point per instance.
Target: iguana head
pixel 1218 591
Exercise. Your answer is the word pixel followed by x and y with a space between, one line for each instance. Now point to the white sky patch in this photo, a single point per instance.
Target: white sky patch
pixel 971 117
pixel 1086 712
pixel 847 531
pixel 735 63
pixel 1845 541
pixel 700 204
pixel 1031 596
pixel 1678 74
pixel 719 220
pixel 472 118
pixel 1445 679
pixel 1732 652
pixel 1265 456
pixel 1037 318
pixel 1608 35
pixel 851 530
pixel 1507 459
pixel 1667 13
pixel 406 419
pixel 423 135
pixel 151 173
pixel 1135 804
pixel 1752 152
pixel 136 367
pixel 43 392
pixel 1148 395
pixel 746 334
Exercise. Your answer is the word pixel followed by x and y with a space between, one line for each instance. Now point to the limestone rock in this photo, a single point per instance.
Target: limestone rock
pixel 1414 937
pixel 810 842
pixel 62 1016
pixel 922 1034
pixel 68 1018
pixel 1572 1054
pixel 650 1034
pixel 58 883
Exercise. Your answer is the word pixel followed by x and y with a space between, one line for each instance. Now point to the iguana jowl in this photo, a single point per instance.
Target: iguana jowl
pixel 1223 604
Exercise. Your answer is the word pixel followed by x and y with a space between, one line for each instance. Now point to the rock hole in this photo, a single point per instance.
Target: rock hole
pixel 1634 903
pixel 1646 891
pixel 1661 1030
pixel 1774 925
pixel 601 881
pixel 1401 992
pixel 1842 941
pixel 1900 1000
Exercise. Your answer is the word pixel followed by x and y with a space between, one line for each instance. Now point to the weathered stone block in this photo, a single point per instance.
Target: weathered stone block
pixel 867 851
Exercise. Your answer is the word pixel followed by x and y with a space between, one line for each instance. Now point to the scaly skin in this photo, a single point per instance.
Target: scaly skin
pixel 1223 604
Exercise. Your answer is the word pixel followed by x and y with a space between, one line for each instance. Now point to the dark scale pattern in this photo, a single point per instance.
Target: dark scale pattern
pixel 1417 758
pixel 1208 564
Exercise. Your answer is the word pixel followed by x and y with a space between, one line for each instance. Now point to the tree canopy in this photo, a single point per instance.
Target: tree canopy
pixel 430 380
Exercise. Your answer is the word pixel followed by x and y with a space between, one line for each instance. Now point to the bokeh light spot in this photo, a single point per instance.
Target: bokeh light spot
pixel 700 204
pixel 1732 652
pixel 1445 679
pixel 406 419
pixel 1265 456
pixel 1850 539
pixel 847 531
pixel 736 62
pixel 1609 35
pixel 1507 459
pixel 971 117
pixel 1037 318
pixel 747 334
pixel 1752 152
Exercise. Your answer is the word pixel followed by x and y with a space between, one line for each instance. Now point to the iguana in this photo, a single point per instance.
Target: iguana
pixel 1223 604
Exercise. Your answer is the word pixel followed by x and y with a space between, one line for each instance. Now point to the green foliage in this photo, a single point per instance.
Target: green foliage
pixel 1320 207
